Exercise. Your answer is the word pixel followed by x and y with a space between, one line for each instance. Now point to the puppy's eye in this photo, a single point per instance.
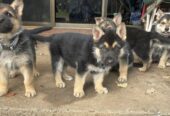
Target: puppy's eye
pixel 8 14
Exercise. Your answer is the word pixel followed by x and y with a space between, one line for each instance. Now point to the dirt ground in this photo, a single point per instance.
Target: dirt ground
pixel 146 94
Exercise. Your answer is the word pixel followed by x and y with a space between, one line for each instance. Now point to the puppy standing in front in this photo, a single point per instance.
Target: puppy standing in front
pixel 88 54
pixel 17 52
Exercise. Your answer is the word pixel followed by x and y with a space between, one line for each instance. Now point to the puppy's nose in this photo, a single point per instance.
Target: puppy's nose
pixel 167 29
pixel 1 19
pixel 109 60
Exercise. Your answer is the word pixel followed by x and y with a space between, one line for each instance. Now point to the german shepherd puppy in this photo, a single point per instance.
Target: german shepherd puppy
pixel 89 54
pixel 17 52
pixel 143 44
pixel 162 27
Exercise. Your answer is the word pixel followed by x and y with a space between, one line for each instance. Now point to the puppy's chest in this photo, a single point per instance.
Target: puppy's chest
pixel 11 60
pixel 96 69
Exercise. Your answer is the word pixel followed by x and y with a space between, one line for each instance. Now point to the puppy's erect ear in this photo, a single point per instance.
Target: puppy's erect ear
pixel 98 20
pixel 117 19
pixel 159 14
pixel 97 33
pixel 18 6
pixel 121 31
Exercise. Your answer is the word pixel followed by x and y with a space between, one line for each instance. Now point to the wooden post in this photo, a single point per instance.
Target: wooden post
pixel 104 8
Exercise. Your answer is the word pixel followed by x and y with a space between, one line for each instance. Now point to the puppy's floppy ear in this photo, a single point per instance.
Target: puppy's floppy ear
pixel 98 20
pixel 18 6
pixel 121 31
pixel 117 19
pixel 159 14
pixel 97 33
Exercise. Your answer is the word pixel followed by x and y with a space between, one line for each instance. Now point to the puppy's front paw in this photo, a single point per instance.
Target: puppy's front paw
pixel 122 82
pixel 30 93
pixel 102 90
pixel 143 69
pixel 79 94
pixel 60 84
pixel 162 66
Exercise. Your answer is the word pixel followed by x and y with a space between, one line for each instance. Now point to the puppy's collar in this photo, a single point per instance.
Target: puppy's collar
pixel 13 43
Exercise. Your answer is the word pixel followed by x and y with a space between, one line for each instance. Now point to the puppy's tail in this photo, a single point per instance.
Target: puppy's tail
pixel 41 38
pixel 38 30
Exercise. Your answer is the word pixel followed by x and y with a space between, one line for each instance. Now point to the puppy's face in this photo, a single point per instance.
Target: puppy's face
pixel 162 23
pixel 10 16
pixel 107 46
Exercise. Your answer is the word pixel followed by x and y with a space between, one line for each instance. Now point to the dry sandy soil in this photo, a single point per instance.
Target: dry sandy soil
pixel 146 94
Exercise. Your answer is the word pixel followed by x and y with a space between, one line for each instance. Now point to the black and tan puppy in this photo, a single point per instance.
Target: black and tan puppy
pixel 162 27
pixel 17 53
pixel 89 54
pixel 143 44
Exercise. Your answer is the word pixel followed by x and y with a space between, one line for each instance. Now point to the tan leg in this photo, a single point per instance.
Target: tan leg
pixel 147 64
pixel 36 73
pixel 145 67
pixel 65 75
pixel 58 79
pixel 28 81
pixel 3 81
pixel 13 74
pixel 59 73
pixel 123 72
pixel 79 85
pixel 98 82
pixel 163 59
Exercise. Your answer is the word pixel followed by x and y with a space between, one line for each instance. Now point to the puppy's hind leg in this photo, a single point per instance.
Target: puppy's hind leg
pixel 36 73
pixel 123 72
pixel 147 62
pixel 163 60
pixel 65 75
pixel 146 65
pixel 57 65
pixel 3 81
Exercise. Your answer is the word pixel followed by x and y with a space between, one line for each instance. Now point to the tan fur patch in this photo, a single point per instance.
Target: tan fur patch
pixel 106 44
pixel 163 59
pixel 114 44
pixel 79 85
pixel 3 81
pixel 136 57
pixel 123 70
pixel 164 21
pixel 58 79
pixel 145 67
pixel 28 81
pixel 98 82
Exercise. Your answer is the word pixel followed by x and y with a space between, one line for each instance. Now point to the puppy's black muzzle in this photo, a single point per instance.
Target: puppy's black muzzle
pixel 110 59
pixel 6 24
